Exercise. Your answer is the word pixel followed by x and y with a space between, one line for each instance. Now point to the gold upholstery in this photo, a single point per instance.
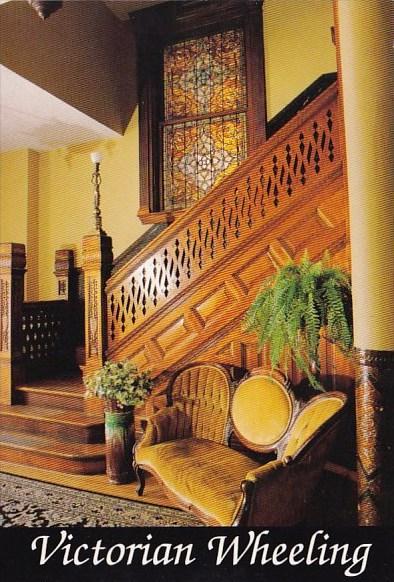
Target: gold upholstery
pixel 183 446
pixel 261 411
pixel 203 393
pixel 313 416
pixel 182 468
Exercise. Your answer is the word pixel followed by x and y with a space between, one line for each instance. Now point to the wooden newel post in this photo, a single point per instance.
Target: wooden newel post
pixel 65 274
pixel 96 263
pixel 12 271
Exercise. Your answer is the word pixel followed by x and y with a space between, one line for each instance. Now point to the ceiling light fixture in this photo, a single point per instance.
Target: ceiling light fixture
pixel 45 9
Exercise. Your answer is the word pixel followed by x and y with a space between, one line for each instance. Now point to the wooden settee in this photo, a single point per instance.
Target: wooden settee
pixel 185 446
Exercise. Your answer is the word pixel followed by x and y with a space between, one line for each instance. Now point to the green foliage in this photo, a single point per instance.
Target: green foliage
pixel 119 381
pixel 295 305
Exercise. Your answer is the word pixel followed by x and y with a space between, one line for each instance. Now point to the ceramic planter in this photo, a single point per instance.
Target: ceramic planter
pixel 119 441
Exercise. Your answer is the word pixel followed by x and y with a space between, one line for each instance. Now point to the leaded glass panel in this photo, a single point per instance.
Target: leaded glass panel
pixel 204 75
pixel 198 155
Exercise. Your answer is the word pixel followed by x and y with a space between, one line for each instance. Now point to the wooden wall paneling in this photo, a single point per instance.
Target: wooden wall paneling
pixel 184 296
pixel 249 200
pixel 216 304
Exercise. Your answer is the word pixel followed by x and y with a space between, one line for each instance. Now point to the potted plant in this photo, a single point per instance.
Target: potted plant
pixel 296 307
pixel 122 387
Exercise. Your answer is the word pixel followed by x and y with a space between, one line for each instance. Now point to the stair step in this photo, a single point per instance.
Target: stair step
pixel 70 425
pixel 55 394
pixel 51 453
pixel 66 383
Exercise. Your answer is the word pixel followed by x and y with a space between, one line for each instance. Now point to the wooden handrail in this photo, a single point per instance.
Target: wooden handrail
pixel 302 153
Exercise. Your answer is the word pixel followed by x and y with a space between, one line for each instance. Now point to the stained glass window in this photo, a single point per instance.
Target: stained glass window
pixel 199 154
pixel 204 131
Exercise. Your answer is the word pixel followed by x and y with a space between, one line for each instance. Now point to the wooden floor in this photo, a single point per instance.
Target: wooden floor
pixel 94 483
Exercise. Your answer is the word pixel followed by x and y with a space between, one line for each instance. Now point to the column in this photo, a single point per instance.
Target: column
pixel 364 43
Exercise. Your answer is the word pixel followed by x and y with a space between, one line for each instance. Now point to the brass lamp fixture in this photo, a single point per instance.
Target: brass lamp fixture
pixel 96 158
pixel 45 9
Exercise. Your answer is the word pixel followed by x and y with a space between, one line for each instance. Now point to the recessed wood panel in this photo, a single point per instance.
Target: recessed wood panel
pixel 279 253
pixel 212 306
pixel 254 271
pixel 184 297
pixel 140 359
pixel 172 335
pixel 333 209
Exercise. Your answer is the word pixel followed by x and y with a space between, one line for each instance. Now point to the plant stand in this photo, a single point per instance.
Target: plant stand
pixel 119 441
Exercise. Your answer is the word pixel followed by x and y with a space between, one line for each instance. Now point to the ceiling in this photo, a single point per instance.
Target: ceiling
pixel 33 118
pixel 30 117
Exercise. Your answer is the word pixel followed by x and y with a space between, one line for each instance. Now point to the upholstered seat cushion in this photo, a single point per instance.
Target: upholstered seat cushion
pixel 202 473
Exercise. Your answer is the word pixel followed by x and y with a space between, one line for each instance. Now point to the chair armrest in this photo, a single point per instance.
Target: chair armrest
pixel 264 471
pixel 157 427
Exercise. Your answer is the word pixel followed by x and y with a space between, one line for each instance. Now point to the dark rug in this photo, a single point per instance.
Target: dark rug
pixel 29 503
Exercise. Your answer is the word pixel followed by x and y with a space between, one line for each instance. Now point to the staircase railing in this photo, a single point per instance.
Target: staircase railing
pixel 36 338
pixel 305 152
pixel 49 329
pixel 47 338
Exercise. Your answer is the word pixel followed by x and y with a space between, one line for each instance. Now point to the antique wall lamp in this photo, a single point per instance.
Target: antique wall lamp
pixel 96 158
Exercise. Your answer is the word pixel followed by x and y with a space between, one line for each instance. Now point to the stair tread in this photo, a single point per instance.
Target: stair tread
pixel 50 446
pixel 72 385
pixel 58 415
pixel 52 391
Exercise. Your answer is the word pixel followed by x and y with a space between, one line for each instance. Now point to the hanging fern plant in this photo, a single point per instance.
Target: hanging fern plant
pixel 293 308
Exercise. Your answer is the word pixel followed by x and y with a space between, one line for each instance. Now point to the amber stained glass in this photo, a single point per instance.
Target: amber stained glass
pixel 204 75
pixel 198 155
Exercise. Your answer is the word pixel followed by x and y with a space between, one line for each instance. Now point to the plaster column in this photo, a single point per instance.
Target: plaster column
pixel 364 43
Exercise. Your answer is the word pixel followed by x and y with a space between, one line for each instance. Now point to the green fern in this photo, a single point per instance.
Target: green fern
pixel 294 306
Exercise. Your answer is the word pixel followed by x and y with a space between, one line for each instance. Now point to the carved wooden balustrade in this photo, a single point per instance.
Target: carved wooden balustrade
pixel 225 227
pixel 47 338
pixel 37 339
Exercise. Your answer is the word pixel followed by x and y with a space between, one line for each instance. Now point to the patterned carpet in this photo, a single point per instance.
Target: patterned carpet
pixel 25 502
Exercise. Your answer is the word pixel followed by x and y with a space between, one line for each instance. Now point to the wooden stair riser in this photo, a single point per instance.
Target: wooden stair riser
pixel 34 397
pixel 93 433
pixel 36 459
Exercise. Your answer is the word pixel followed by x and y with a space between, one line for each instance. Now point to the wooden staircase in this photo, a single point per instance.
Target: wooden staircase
pixel 183 296
pixel 49 428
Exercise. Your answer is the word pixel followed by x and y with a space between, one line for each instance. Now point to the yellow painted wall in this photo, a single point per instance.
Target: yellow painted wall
pixel 19 209
pixel 13 196
pixel 51 191
pixel 46 202
pixel 297 46
pixel 66 199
